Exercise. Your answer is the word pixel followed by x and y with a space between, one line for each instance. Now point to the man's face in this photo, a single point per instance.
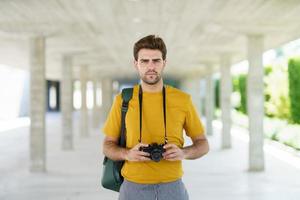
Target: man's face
pixel 150 65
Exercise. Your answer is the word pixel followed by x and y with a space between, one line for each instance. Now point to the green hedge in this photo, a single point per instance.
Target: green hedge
pixel 243 92
pixel 294 88
pixel 217 93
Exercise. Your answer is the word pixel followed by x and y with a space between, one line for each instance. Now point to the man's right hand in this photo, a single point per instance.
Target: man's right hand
pixel 135 155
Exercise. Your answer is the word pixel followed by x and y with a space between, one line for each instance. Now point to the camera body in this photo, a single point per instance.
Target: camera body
pixel 155 150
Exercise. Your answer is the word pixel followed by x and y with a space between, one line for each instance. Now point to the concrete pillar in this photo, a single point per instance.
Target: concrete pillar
pixel 107 93
pixel 84 129
pixel 67 103
pixel 95 106
pixel 209 104
pixel 192 86
pixel 202 96
pixel 195 92
pixel 255 99
pixel 100 116
pixel 225 94
pixel 116 88
pixel 37 105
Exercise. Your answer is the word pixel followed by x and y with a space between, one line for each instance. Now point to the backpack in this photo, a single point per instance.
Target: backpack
pixel 111 175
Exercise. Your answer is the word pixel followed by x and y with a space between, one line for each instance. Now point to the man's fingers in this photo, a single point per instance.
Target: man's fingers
pixel 141 153
pixel 168 146
pixel 171 156
pixel 137 155
pixel 141 158
pixel 169 151
pixel 137 147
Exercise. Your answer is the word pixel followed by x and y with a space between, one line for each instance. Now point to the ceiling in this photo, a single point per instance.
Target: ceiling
pixel 99 34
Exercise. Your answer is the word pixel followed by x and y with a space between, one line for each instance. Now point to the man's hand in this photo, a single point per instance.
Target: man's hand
pixel 135 155
pixel 173 152
pixel 199 148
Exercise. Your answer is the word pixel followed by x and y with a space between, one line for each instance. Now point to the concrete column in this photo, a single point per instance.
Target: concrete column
pixel 107 93
pixel 84 129
pixel 195 92
pixel 116 88
pixel 255 101
pixel 202 96
pixel 95 106
pixel 209 104
pixel 192 86
pixel 37 105
pixel 100 115
pixel 67 104
pixel 225 94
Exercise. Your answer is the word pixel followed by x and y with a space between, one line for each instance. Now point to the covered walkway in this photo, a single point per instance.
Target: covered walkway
pixel 72 175
pixel 61 43
pixel 64 43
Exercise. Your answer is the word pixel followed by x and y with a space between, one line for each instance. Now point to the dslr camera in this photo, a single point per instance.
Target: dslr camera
pixel 155 150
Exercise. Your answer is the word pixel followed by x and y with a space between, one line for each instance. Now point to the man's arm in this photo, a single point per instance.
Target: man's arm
pixel 112 150
pixel 115 152
pixel 199 148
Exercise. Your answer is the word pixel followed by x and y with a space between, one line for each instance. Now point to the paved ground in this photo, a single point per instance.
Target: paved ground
pixel 73 175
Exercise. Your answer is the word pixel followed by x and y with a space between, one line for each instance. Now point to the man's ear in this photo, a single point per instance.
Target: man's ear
pixel 135 63
pixel 165 62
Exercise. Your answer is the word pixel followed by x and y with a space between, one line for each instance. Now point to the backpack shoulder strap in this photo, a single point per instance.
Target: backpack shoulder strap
pixel 126 96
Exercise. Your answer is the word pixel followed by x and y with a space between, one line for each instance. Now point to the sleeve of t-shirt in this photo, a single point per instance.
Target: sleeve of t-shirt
pixel 192 125
pixel 112 124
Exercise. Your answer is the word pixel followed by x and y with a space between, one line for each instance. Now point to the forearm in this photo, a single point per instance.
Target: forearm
pixel 198 149
pixel 113 151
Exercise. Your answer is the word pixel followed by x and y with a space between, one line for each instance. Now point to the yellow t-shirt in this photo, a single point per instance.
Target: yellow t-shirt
pixel 180 114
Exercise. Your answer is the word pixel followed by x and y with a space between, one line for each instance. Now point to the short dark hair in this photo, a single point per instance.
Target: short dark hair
pixel 150 42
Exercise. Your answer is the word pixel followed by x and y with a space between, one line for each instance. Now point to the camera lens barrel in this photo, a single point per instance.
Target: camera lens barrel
pixel 155 150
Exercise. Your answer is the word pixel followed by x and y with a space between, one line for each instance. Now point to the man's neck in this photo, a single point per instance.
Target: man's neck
pixel 152 88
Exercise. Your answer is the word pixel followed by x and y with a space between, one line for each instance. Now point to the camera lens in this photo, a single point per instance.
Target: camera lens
pixel 156 155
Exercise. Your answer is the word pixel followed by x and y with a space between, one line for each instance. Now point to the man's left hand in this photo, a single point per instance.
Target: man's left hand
pixel 173 153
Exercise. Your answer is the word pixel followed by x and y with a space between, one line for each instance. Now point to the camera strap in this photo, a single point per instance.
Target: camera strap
pixel 141 110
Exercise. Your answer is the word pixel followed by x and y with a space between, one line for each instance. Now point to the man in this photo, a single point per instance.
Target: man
pixel 156 114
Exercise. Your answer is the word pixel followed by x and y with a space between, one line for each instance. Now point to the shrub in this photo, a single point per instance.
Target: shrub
pixel 217 93
pixel 243 91
pixel 277 102
pixel 294 89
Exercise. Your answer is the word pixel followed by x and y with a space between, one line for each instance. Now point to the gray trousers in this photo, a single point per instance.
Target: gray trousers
pixel 163 191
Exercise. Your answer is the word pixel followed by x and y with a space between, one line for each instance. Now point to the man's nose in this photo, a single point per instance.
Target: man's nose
pixel 151 65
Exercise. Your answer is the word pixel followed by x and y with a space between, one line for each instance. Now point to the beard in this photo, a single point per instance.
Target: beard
pixel 151 79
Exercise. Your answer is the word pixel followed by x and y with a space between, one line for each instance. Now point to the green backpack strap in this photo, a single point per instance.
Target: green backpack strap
pixel 126 96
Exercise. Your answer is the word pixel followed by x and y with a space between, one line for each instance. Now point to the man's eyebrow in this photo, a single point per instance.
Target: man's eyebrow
pixel 156 59
pixel 147 59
